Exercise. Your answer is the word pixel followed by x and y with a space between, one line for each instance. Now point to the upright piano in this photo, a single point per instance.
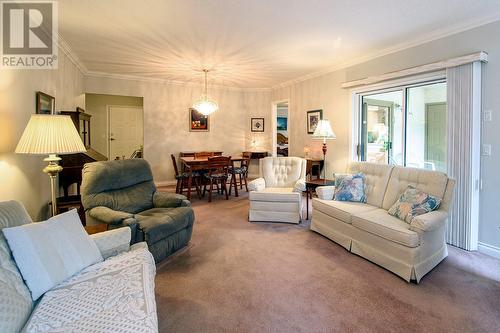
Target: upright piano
pixel 73 164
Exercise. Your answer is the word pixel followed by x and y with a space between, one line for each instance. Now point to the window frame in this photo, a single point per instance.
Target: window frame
pixel 389 86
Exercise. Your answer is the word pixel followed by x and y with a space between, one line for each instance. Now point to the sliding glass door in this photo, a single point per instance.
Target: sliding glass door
pixel 405 126
pixel 381 128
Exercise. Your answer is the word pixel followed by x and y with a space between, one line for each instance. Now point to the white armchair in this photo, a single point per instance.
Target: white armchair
pixel 277 195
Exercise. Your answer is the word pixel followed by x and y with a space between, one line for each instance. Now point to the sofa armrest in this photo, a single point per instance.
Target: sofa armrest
pixel 140 245
pixel 113 242
pixel 429 221
pixel 300 185
pixel 325 192
pixel 108 215
pixel 169 200
pixel 257 184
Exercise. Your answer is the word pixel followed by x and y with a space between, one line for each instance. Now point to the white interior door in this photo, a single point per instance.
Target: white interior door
pixel 126 131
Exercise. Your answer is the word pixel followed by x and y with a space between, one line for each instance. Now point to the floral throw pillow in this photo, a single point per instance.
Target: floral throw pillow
pixel 350 188
pixel 413 202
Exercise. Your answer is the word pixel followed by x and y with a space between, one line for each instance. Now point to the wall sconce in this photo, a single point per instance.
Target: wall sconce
pixel 306 151
pixel 253 144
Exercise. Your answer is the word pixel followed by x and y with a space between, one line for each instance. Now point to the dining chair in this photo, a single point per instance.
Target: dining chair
pixel 240 172
pixel 182 178
pixel 217 174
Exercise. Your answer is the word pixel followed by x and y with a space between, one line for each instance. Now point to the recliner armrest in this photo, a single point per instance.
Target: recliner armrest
pixel 169 200
pixel 325 192
pixel 429 221
pixel 257 184
pixel 108 215
pixel 113 242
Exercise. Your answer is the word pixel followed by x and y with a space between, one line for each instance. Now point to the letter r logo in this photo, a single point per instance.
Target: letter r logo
pixel 27 27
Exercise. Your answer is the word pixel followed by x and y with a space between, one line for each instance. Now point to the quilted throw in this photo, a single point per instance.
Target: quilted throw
pixel 413 202
pixel 116 295
pixel 350 187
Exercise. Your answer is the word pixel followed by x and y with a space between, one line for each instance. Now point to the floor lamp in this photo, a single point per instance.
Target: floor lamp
pixel 50 135
pixel 324 131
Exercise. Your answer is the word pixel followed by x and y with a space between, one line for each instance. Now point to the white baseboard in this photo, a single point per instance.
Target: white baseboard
pixel 489 250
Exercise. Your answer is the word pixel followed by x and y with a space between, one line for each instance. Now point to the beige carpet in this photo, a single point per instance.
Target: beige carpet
pixel 238 276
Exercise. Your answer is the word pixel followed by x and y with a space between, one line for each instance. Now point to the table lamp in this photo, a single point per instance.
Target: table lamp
pixel 50 135
pixel 324 131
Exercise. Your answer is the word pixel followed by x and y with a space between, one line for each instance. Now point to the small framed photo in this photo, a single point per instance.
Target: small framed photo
pixel 198 122
pixel 257 124
pixel 313 118
pixel 45 104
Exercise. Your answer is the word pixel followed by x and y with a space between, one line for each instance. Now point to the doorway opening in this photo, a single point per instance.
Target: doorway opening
pixel 281 124
pixel 118 124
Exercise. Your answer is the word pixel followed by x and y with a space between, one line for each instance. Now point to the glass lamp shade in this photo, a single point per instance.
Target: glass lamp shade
pixel 324 130
pixel 205 106
pixel 50 134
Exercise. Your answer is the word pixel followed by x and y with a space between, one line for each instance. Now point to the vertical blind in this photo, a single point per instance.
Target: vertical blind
pixel 463 153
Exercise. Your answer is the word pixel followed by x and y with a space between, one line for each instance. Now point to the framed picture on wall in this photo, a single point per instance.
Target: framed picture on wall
pixel 282 123
pixel 198 122
pixel 45 104
pixel 257 124
pixel 313 118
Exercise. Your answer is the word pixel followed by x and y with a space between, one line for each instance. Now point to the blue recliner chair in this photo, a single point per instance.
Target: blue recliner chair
pixel 122 193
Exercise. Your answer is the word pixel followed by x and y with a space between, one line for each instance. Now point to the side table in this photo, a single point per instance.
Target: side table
pixel 311 186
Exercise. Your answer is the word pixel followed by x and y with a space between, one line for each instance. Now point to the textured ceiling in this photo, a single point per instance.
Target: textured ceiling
pixel 251 43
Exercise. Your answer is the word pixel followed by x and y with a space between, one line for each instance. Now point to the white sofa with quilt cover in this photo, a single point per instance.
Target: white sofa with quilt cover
pixel 276 196
pixel 410 250
pixel 113 295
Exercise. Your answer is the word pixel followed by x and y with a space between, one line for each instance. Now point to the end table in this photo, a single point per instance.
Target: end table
pixel 311 186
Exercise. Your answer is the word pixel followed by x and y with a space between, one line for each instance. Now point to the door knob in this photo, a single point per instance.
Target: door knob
pixel 112 139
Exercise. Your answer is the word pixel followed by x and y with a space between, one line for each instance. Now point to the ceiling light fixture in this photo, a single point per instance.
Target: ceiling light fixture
pixel 205 105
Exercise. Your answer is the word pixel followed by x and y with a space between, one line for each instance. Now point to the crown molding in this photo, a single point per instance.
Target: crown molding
pixel 66 49
pixel 90 74
pixel 435 35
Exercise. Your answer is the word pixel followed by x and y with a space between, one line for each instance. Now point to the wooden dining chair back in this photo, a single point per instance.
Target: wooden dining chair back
pixel 182 178
pixel 174 163
pixel 217 175
pixel 240 173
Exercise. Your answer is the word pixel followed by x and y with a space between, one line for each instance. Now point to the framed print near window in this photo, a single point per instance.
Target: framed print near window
pixel 45 104
pixel 257 124
pixel 313 118
pixel 198 122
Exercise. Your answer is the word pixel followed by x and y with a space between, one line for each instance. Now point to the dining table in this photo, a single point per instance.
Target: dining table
pixel 193 164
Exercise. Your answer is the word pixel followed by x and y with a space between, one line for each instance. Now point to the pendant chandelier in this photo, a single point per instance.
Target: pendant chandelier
pixel 205 105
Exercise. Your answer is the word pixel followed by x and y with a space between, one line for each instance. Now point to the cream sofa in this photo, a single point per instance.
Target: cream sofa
pixel 276 196
pixel 366 229
pixel 115 295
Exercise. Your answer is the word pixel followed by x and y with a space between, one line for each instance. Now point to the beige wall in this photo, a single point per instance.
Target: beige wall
pixel 21 176
pixel 96 105
pixel 320 93
pixel 324 92
pixel 166 119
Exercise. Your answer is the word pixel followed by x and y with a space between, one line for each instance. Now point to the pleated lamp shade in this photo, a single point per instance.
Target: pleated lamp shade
pixel 50 134
pixel 324 130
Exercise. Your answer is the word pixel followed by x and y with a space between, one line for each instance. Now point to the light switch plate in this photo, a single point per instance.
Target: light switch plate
pixel 487 115
pixel 486 150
